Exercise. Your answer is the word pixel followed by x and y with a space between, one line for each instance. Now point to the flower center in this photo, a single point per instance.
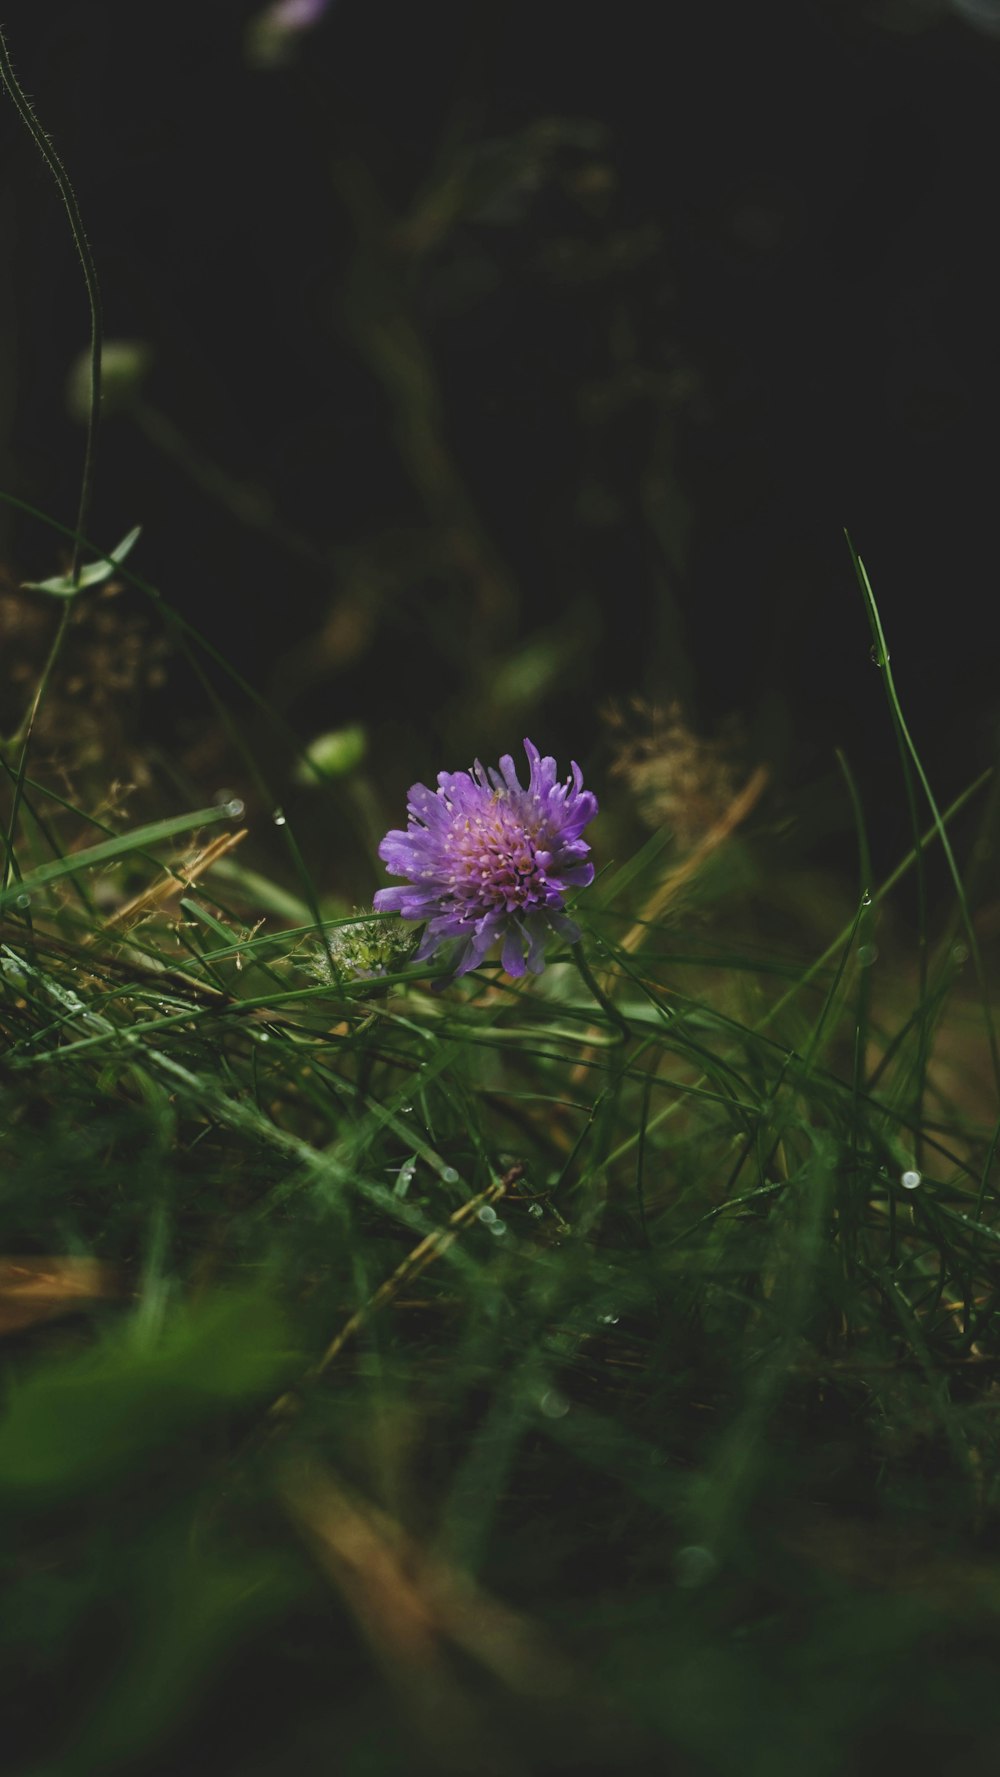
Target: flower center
pixel 493 863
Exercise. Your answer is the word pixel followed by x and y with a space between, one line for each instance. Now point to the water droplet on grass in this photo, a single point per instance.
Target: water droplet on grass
pixel 536 1210
pixel 960 953
pixel 498 1227
pixel 22 901
pixel 449 1176
pixel 405 1179
pixel 867 954
pixel 235 807
pixel 279 817
pixel 610 1320
pixel 911 1179
pixel 866 898
pixel 486 1214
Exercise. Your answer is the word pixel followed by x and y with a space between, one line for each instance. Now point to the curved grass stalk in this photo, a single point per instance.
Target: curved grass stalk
pixel 47 151
pixel 48 154
pixel 907 746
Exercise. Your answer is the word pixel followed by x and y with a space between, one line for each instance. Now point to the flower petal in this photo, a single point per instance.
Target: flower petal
pixel 485 859
pixel 512 954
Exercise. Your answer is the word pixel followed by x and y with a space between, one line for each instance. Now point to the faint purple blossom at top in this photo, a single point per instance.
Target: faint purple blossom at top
pixel 488 861
pixel 297 15
pixel 270 33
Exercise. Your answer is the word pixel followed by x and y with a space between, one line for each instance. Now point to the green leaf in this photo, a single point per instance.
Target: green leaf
pixel 76 1424
pixel 335 754
pixel 63 586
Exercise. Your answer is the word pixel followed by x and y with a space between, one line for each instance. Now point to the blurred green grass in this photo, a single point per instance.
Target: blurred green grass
pixel 672 1439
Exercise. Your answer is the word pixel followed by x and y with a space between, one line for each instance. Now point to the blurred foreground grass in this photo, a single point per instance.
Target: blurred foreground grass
pixel 445 1381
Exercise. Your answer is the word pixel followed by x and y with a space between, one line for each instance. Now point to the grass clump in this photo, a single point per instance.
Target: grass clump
pixel 557 1373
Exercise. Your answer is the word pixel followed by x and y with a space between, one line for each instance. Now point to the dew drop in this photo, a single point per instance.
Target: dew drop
pixel 911 1179
pixel 22 901
pixel 959 953
pixel 498 1227
pixel 866 898
pixel 486 1214
pixel 235 807
pixel 405 1179
pixel 867 954
pixel 694 1565
pixel 279 817
pixel 553 1404
pixel 610 1320
pixel 449 1176
pixel 536 1210
pixel 263 1036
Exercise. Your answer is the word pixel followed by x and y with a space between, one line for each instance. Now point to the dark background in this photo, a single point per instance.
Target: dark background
pixel 504 361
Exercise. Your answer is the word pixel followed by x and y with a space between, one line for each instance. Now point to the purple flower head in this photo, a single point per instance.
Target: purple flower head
pixel 487 860
pixel 271 34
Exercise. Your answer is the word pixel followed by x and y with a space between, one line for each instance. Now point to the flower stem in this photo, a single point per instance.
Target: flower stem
pixel 591 982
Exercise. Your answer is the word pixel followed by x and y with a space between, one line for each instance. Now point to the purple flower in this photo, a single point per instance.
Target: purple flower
pixel 271 34
pixel 487 860
pixel 296 15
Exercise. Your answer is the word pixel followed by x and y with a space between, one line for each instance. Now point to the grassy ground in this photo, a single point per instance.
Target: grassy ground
pixel 593 1373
